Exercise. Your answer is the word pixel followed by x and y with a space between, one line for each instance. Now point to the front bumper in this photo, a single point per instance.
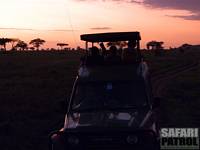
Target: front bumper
pixel 104 140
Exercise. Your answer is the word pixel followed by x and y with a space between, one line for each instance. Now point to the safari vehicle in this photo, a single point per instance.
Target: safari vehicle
pixel 111 106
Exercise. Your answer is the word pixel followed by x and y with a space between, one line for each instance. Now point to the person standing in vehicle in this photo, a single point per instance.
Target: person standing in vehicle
pixel 129 55
pixel 103 48
pixel 95 58
pixel 113 58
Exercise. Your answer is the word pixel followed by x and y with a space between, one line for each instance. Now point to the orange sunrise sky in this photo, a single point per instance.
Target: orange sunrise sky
pixel 173 21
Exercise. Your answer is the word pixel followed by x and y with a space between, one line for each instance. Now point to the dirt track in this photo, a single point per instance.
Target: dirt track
pixel 163 77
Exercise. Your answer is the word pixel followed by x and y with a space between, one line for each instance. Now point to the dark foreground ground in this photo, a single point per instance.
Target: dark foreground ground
pixel 34 87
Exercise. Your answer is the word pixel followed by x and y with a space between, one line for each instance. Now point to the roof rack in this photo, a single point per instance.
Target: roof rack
pixel 111 37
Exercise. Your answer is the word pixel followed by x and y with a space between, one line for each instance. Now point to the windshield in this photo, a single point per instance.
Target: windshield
pixel 109 95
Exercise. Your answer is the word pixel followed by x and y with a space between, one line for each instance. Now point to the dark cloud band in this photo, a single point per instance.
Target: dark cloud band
pixel 193 6
pixel 101 28
pixel 28 29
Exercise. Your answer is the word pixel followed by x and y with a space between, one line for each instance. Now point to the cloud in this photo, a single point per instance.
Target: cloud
pixel 29 29
pixel 101 28
pixel 60 30
pixel 193 6
pixel 190 5
pixel 189 17
pixel 16 29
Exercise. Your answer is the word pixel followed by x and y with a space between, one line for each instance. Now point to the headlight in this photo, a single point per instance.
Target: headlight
pixel 73 140
pixel 131 139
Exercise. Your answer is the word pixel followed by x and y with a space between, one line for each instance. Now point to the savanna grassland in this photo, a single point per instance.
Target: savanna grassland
pixel 34 87
pixel 181 97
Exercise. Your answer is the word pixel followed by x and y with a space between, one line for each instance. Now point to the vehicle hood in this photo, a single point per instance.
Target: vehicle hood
pixel 106 119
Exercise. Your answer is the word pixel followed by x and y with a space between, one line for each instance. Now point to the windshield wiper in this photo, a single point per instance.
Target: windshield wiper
pixel 106 108
pixel 92 109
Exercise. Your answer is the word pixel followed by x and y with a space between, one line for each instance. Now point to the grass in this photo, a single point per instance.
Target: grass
pixel 35 85
pixel 167 60
pixel 33 88
pixel 182 101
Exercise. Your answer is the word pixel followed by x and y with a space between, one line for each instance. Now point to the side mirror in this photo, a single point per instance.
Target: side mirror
pixel 156 103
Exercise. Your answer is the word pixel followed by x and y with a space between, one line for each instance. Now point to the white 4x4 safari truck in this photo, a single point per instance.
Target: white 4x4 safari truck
pixel 111 105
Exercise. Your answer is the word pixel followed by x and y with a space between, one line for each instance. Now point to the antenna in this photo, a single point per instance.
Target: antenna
pixel 71 25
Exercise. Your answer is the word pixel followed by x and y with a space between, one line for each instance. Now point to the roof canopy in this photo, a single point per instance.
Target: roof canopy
pixel 111 37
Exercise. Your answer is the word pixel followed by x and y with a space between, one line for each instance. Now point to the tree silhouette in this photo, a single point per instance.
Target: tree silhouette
pixel 186 45
pixel 4 41
pixel 13 41
pixel 21 45
pixel 119 44
pixel 37 43
pixel 32 48
pixel 61 45
pixel 154 45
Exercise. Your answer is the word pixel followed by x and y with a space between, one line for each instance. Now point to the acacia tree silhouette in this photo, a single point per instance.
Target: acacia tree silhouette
pixel 21 45
pixel 119 44
pixel 37 43
pixel 13 41
pixel 4 41
pixel 61 45
pixel 154 45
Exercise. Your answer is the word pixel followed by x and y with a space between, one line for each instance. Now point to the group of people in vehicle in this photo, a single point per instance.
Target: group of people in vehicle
pixel 98 56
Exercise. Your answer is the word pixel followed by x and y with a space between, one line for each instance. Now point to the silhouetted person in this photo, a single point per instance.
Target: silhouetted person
pixel 103 49
pixel 129 55
pixel 94 58
pixel 113 58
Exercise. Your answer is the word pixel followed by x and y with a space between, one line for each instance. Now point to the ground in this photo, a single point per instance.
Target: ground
pixel 34 87
pixel 33 91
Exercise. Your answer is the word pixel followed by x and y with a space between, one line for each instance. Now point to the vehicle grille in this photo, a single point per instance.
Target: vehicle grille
pixel 115 141
pixel 105 142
